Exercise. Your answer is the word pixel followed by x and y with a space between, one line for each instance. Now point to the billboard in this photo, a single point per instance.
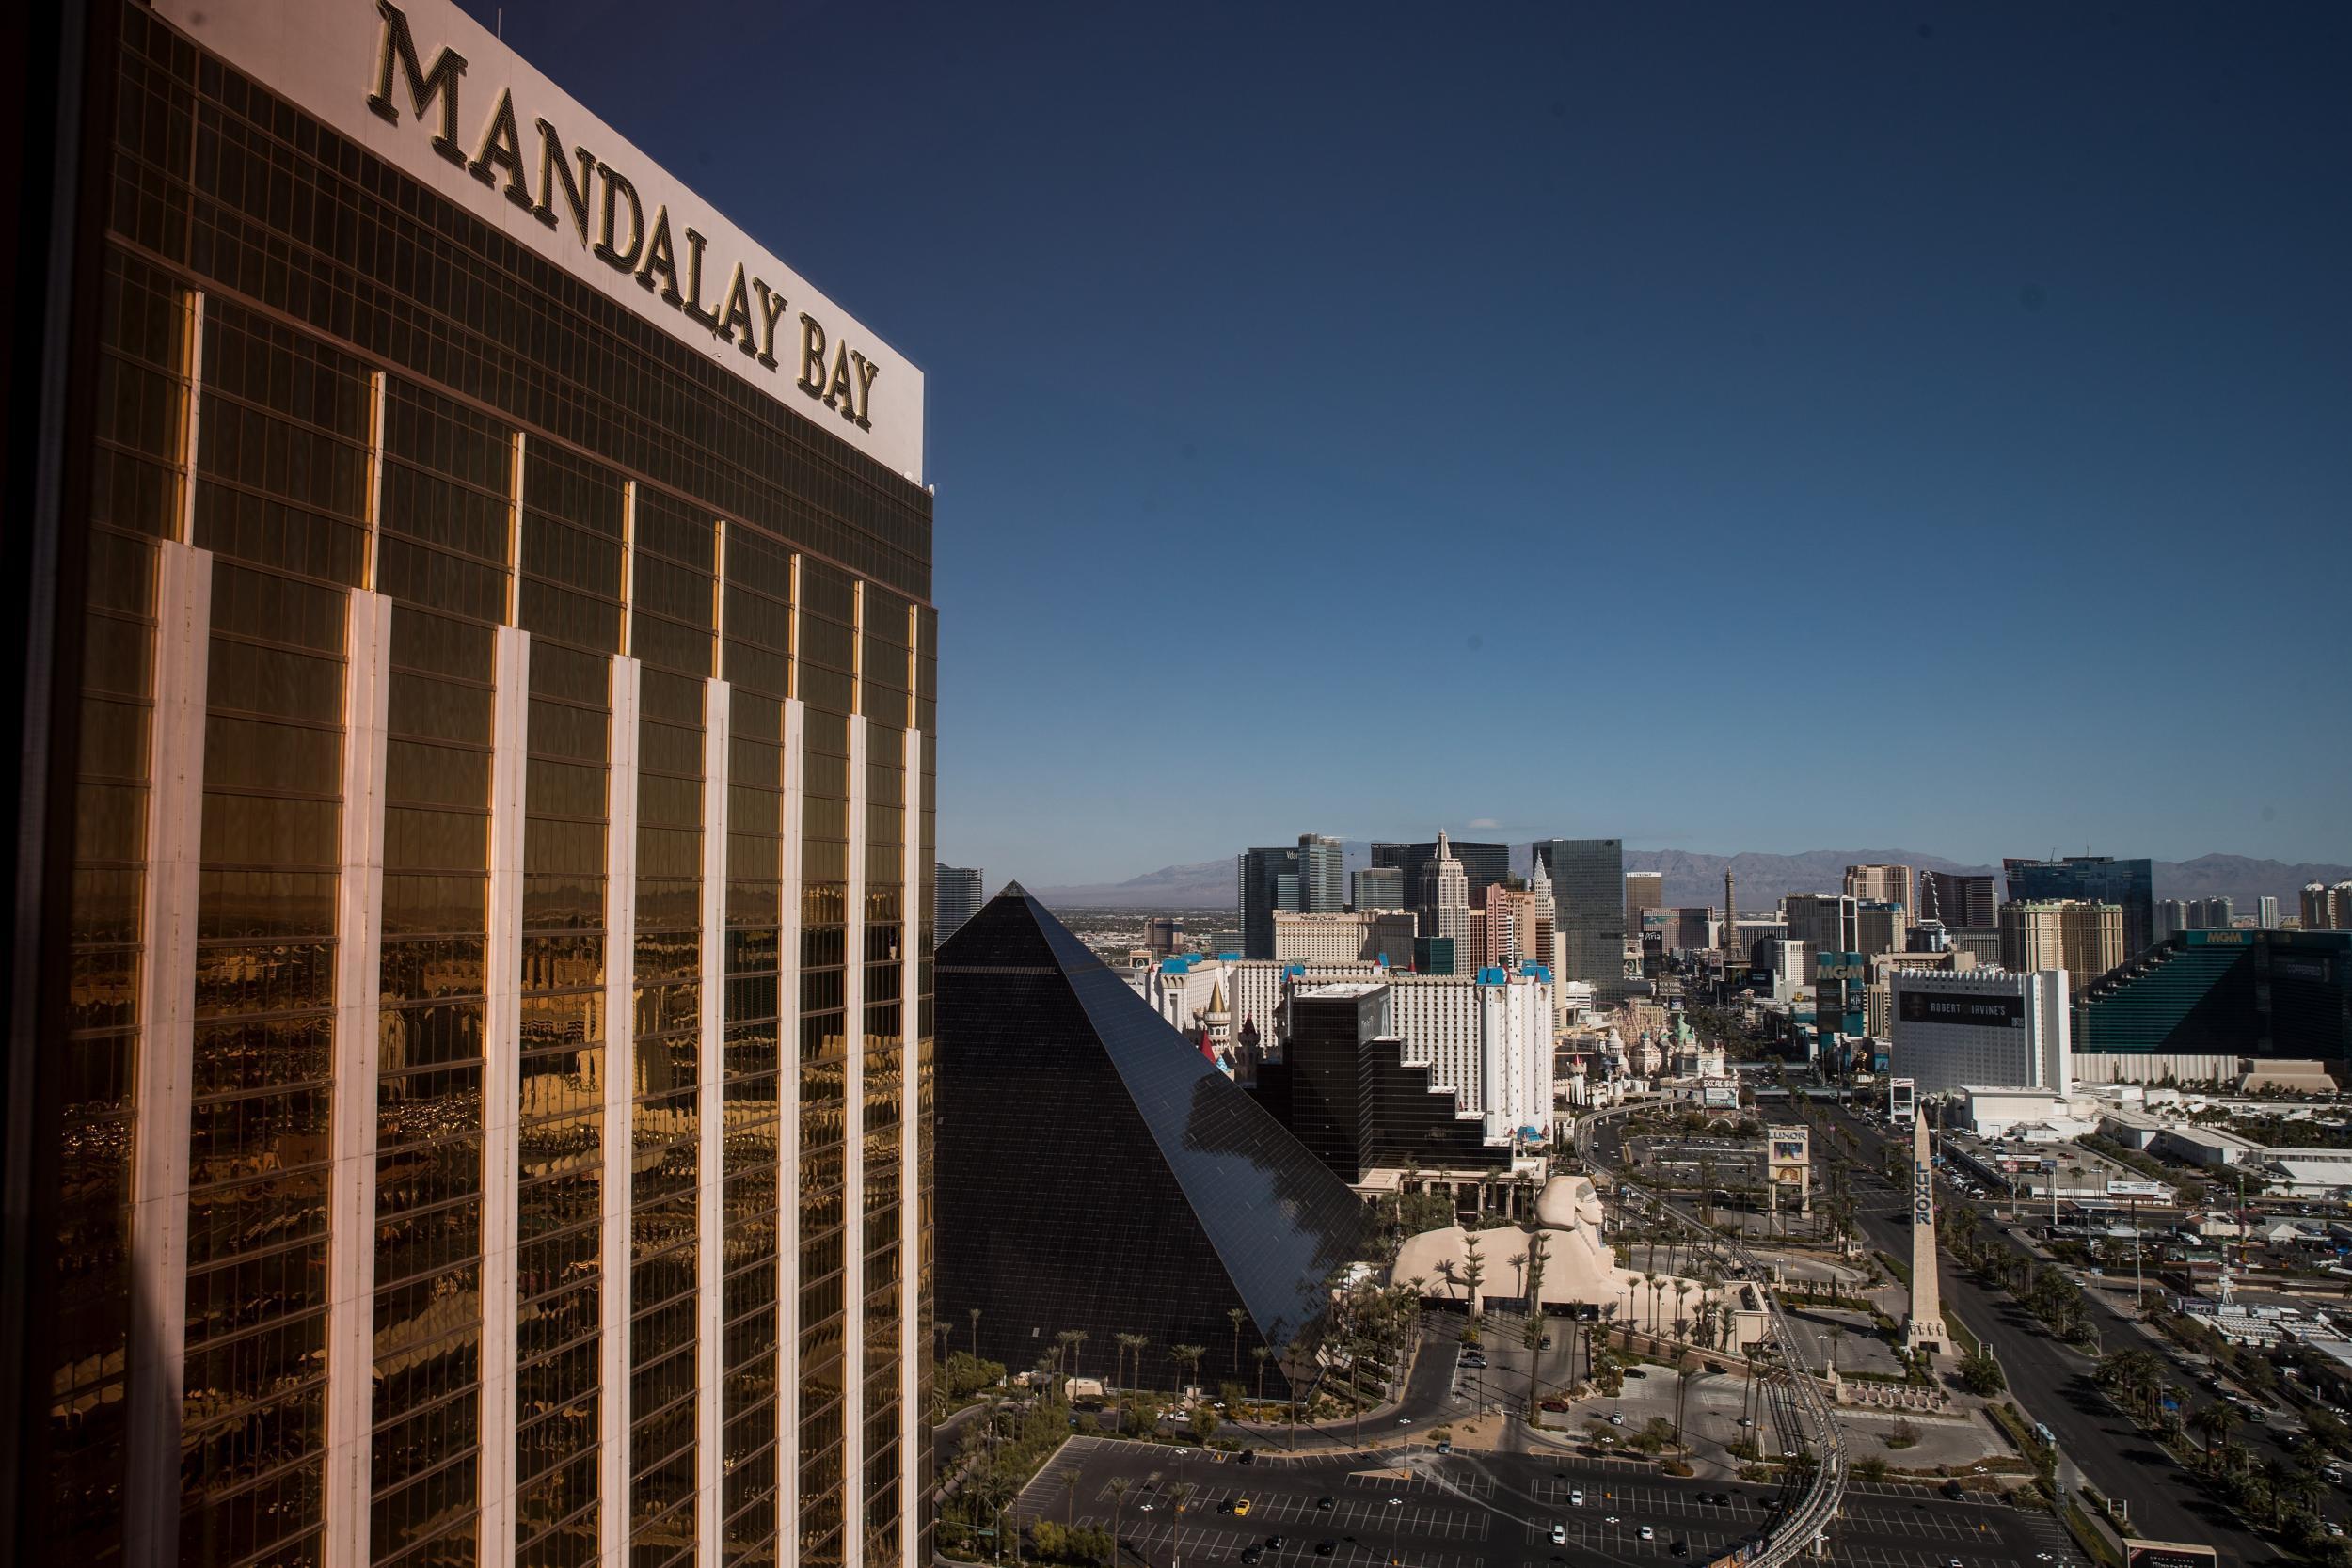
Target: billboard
pixel 2135 1189
pixel 1927 1006
pixel 2165 1554
pixel 424 87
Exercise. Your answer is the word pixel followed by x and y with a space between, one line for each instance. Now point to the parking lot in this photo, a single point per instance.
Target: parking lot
pixel 1490 1510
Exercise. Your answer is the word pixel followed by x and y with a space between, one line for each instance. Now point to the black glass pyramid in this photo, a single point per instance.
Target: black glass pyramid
pixel 1097 1173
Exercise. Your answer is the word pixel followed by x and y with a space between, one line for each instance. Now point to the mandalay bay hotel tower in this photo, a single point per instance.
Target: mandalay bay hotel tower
pixel 486 1118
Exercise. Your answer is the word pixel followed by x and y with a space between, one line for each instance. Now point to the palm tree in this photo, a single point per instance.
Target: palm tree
pixel 1188 1357
pixel 1069 1500
pixel 1118 1502
pixel 1063 1339
pixel 1837 1336
pixel 1682 1315
pixel 976 1333
pixel 1685 1370
pixel 1261 1355
pixel 2213 1422
pixel 2277 1480
pixel 1234 1315
pixel 1294 1357
pixel 1473 1272
pixel 1077 1343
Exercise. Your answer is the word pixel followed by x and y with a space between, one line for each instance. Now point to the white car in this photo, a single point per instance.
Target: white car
pixel 1559 1535
pixel 1648 1534
pixel 1575 1498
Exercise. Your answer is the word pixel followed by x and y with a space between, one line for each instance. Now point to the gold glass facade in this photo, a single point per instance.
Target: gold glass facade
pixel 352 1270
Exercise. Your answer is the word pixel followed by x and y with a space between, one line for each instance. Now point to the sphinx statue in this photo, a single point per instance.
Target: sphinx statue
pixel 1578 1268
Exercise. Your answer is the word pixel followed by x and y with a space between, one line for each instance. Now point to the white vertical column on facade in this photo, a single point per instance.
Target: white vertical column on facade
pixel 853 1163
pixel 159 1177
pixel 789 1132
pixel 910 1155
pixel 501 1092
pixel 192 413
pixel 372 536
pixel 620 1074
pixel 349 1490
pixel 710 1157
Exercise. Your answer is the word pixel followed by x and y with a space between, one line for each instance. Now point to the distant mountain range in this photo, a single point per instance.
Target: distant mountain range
pixel 1693 878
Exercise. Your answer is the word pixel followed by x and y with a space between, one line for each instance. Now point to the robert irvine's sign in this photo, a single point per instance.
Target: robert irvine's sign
pixel 1927 1007
pixel 422 85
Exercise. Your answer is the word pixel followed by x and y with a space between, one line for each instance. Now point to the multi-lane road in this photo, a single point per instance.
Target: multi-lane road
pixel 2053 1382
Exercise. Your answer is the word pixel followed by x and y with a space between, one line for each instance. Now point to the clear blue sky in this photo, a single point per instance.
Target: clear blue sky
pixel 1734 427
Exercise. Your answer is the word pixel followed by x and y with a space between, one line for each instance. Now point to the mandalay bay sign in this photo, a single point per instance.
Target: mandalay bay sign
pixel 425 86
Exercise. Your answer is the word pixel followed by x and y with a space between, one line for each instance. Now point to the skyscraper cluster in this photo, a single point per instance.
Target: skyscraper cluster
pixel 1573 914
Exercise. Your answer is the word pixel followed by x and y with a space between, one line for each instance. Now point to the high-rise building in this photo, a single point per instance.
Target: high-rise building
pixel 1691 930
pixel 1880 926
pixel 2101 879
pixel 2267 912
pixel 1163 935
pixel 957 900
pixel 1322 879
pixel 1963 902
pixel 1644 891
pixel 1981 1028
pixel 492 1073
pixel 2328 909
pixel 1444 901
pixel 1825 922
pixel 1269 881
pixel 2172 916
pixel 1887 884
pixel 2202 1001
pixel 1379 887
pixel 1483 865
pixel 1035 1030
pixel 2215 914
pixel 1488 1036
pixel 2082 938
pixel 1382 935
pixel 1589 902
pixel 1520 923
pixel 1347 1091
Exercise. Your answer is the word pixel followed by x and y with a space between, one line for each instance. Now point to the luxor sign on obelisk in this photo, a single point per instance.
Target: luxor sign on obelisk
pixel 1925 1332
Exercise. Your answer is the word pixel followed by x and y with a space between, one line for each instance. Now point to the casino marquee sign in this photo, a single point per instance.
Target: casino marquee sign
pixel 422 85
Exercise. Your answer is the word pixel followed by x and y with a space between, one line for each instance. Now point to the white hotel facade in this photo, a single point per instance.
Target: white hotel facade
pixel 1986 1028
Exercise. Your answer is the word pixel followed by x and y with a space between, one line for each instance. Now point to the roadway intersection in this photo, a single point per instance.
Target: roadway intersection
pixel 1492 1511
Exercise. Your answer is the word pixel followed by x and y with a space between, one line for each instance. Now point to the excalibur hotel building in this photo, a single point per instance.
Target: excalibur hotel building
pixel 486 1116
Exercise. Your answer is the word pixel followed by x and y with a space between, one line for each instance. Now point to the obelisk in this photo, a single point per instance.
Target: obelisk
pixel 1925 1332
